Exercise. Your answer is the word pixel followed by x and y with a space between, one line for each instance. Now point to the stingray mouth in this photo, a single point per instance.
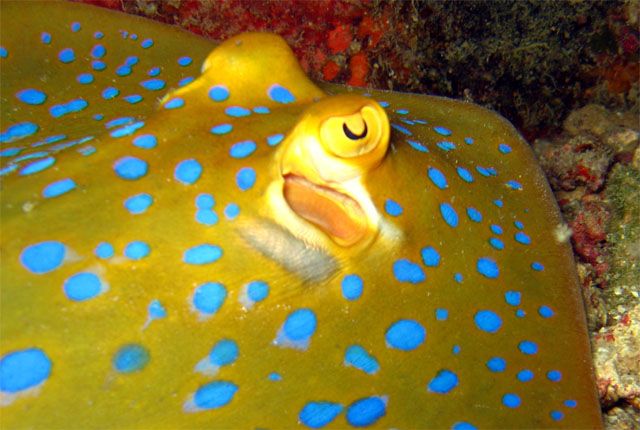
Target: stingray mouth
pixel 337 214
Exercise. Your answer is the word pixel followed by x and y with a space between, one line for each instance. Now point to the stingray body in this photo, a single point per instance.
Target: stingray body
pixel 243 249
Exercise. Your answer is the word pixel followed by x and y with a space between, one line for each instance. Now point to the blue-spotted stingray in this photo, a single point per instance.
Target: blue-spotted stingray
pixel 198 236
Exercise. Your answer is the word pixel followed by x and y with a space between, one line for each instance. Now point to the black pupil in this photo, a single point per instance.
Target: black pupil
pixel 351 135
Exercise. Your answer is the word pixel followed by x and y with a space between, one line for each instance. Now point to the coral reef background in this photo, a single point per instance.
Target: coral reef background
pixel 565 74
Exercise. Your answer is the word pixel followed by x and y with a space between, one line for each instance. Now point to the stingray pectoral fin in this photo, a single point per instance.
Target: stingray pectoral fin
pixel 337 214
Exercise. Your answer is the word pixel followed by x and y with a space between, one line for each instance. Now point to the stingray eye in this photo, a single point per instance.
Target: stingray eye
pixel 351 135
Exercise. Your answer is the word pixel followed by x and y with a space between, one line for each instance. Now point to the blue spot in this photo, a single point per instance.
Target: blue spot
pixel 257 291
pixel 154 71
pixel 75 26
pixel 483 171
pixel 147 43
pixel 463 425
pixel 202 254
pixel 352 287
pixel 139 203
pixel 110 93
pixel 518 224
pixel 275 139
pixel 261 110
pixel 443 382
pixel 185 81
pixel 184 61
pixel 512 297
pixel 31 96
pixel 554 375
pixel 245 178
pixel 188 171
pixel 446 146
pixel 449 214
pixel 59 187
pixel 66 55
pixel 44 37
pixel 522 238
pixel 402 111
pixel 206 217
pixel 136 250
pixel 82 286
pixel 365 412
pixel 127 129
pixel 496 243
pixel 570 403
pixel 98 65
pixel 224 352
pixel 218 93
pixel 153 84
pixel 488 321
pixel 221 129
pixel 119 121
pixel 133 37
pixel 525 375
pixel 442 314
pixel 43 257
pixel 487 268
pixel 133 99
pixel 104 250
pixel 520 313
pixel 237 111
pixel 511 400
pixel 498 203
pixel 392 208
pixel 98 51
pixel 215 394
pixel 75 105
pixel 130 168
pixel 545 311
pixel 406 271
pixel 496 229
pixel 514 185
pixel 156 310
pixel 37 166
pixel 437 178
pixel 316 415
pixel 131 61
pixel 464 174
pixel 557 415
pixel 174 103
pixel 85 78
pixel 442 131
pixel 358 357
pixel 537 266
pixel 474 215
pixel 383 104
pixel 23 369
pixel 209 297
pixel 130 358
pixel 504 148
pixel 497 364
pixel 231 211
pixel 430 257
pixel 18 131
pixel 242 149
pixel 401 129
pixel 280 94
pixel 300 324
pixel 405 335
pixel 146 141
pixel 98 35
pixel 205 201
pixel 274 376
pixel 417 145
pixel 528 347
pixel 10 152
pixel 123 70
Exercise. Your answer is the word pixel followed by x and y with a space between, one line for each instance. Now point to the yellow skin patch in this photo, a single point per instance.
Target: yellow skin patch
pixel 300 272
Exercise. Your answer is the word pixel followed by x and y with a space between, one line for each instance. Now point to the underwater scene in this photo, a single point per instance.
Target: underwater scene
pixel 329 214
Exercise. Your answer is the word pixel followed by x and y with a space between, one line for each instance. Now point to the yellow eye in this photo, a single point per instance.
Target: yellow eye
pixel 352 135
